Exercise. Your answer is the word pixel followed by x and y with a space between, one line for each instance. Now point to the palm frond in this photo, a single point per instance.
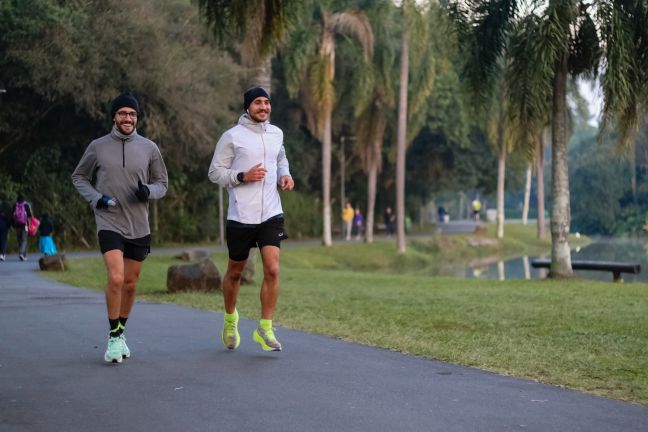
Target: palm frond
pixel 300 49
pixel 357 24
pixel 625 79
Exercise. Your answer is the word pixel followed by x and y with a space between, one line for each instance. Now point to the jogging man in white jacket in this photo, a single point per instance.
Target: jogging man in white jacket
pixel 250 161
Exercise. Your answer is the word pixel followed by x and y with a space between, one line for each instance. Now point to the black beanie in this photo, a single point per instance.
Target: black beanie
pixel 123 100
pixel 253 93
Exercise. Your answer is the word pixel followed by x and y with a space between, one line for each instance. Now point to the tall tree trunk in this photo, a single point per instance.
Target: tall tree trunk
pixel 527 195
pixel 560 207
pixel 372 179
pixel 540 187
pixel 501 177
pixel 401 143
pixel 326 180
pixel 633 171
pixel 262 73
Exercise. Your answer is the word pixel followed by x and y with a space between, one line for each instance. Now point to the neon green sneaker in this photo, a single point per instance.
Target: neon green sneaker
pixel 125 352
pixel 114 350
pixel 266 338
pixel 231 338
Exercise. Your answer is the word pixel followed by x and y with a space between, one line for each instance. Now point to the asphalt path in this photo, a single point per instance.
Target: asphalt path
pixel 181 378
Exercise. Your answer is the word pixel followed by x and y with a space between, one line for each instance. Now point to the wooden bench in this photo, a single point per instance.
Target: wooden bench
pixel 615 267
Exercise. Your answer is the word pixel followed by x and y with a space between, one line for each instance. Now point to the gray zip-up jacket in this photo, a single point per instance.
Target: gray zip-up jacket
pixel 239 149
pixel 112 166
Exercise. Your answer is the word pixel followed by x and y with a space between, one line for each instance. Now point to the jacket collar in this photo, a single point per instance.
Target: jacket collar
pixel 120 136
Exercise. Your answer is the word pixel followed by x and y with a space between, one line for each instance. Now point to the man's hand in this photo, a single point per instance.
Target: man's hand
pixel 105 201
pixel 255 174
pixel 142 193
pixel 286 183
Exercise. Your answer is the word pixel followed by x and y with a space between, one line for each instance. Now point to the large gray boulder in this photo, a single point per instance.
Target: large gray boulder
pixel 201 276
pixel 52 263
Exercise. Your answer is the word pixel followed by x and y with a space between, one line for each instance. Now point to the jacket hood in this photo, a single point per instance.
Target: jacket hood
pixel 246 121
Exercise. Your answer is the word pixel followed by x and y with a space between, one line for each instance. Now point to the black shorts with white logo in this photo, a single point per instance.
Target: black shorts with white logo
pixel 135 249
pixel 242 237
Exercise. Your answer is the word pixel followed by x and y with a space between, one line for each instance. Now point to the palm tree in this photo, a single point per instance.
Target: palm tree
pixel 402 135
pixel 416 22
pixel 375 105
pixel 311 69
pixel 548 42
pixel 260 25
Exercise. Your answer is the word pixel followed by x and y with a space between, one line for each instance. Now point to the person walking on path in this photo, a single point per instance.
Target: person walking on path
pixel 5 225
pixel 389 218
pixel 45 230
pixel 476 207
pixel 127 170
pixel 22 214
pixel 358 223
pixel 250 160
pixel 347 221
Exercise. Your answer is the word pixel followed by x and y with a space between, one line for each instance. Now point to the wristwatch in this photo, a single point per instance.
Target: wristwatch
pixel 240 177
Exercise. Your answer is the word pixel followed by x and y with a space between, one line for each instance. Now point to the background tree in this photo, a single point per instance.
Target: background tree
pixel 315 73
pixel 259 25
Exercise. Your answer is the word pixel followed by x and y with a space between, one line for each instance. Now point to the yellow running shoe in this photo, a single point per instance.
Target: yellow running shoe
pixel 266 338
pixel 231 338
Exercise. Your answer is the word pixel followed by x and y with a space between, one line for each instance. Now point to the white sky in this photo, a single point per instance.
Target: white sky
pixel 591 91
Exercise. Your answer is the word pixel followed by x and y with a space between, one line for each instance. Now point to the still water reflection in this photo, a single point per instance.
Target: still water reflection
pixel 602 249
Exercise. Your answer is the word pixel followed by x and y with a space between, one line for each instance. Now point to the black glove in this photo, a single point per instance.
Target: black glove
pixel 105 201
pixel 142 193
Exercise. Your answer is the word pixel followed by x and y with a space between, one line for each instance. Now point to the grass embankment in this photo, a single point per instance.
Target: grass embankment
pixel 585 335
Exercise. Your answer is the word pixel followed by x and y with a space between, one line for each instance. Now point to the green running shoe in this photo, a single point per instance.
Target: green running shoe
pixel 266 339
pixel 231 338
pixel 125 352
pixel 114 350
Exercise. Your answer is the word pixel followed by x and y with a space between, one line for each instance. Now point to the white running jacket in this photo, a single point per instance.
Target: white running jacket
pixel 239 149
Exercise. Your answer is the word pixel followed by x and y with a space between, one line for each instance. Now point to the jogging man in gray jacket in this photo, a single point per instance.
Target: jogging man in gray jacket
pixel 117 175
pixel 250 160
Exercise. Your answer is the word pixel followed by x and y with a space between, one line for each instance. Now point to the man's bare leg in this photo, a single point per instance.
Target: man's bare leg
pixel 231 285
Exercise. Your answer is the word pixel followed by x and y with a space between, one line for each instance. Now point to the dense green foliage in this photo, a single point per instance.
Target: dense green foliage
pixel 61 64
pixel 603 201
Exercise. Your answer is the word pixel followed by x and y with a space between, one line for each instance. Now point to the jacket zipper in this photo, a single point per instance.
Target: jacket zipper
pixel 123 153
pixel 264 165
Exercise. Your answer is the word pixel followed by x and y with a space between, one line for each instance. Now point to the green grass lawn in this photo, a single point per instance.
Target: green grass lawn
pixel 582 334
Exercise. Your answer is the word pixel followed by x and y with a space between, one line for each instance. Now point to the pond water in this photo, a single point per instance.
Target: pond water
pixel 601 249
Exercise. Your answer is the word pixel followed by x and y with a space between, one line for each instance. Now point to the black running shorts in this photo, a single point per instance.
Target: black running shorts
pixel 135 249
pixel 242 237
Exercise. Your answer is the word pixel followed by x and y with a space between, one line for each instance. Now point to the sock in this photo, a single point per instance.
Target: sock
pixel 114 327
pixel 122 324
pixel 265 324
pixel 232 317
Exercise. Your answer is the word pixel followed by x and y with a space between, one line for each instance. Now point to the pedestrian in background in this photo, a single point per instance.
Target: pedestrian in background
pixel 45 230
pixel 22 214
pixel 5 225
pixel 358 223
pixel 389 218
pixel 347 220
